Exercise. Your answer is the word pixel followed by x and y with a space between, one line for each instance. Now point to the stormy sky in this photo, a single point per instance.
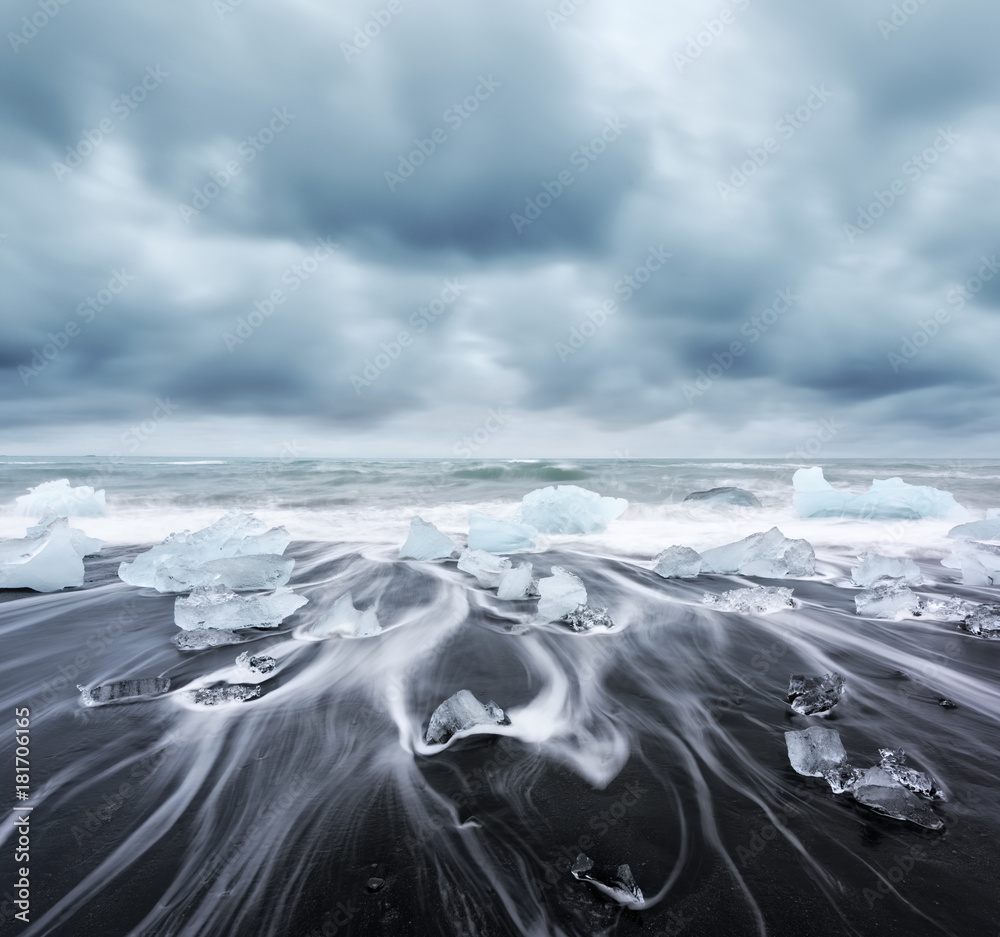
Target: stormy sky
pixel 514 229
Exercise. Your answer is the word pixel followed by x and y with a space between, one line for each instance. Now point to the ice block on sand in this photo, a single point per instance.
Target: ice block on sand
pixel 426 542
pixel 495 536
pixel 462 712
pixel 769 554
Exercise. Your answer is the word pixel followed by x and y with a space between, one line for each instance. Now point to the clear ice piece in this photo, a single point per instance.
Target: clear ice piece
pixel 495 536
pixel 202 638
pixel 979 562
pixel 218 607
pixel 560 594
pixel 225 693
pixel 988 529
pixel 426 542
pixel 877 789
pixel 462 712
pixel 812 696
pixel 756 600
pixel 260 664
pixel 569 509
pixel 57 497
pixel 874 566
pixel 984 620
pixel 842 778
pixel 618 885
pixel 586 618
pixel 910 778
pixel 487 568
pixel 125 691
pixel 49 558
pixel 678 562
pixel 768 554
pixel 814 751
pixel 890 600
pixel 345 619
pixel 239 573
pixel 726 495
pixel 515 582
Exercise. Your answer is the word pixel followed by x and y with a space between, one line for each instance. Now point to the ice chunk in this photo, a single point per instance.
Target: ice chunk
pixel 979 562
pixel 125 691
pixel 758 600
pixel 462 712
pixel 345 619
pixel 225 693
pixel 515 583
pixel 946 608
pixel 842 778
pixel 586 618
pixel 618 885
pixel 726 495
pixel 984 620
pixel 568 509
pixel 988 529
pixel 890 599
pixel 815 750
pixel 202 638
pixel 888 499
pixel 487 533
pixel 877 789
pixel 910 778
pixel 218 607
pixel 875 566
pixel 560 594
pixel 487 568
pixel 57 497
pixel 258 664
pixel 426 542
pixel 678 562
pixel 815 695
pixel 235 534
pixel 84 545
pixel 49 558
pixel 769 554
pixel 239 573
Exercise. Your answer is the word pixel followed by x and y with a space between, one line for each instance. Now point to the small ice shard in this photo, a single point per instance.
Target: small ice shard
pixel 560 594
pixel 125 691
pixel 618 885
pixel 494 536
pixel 487 568
pixel 873 567
pixel 234 534
pixel 344 618
pixel 218 607
pixel 877 789
pixel 893 764
pixel 891 600
pixel 202 638
pixel 225 693
pixel 988 529
pixel 812 696
pixel 814 751
pixel 426 542
pixel 239 573
pixel 462 712
pixel 678 562
pixel 947 703
pixel 57 497
pixel 842 778
pixel 515 583
pixel 586 618
pixel 984 620
pixel 49 558
pixel 726 495
pixel 757 600
pixel 568 509
pixel 258 663
pixel 979 562
pixel 888 499
pixel 947 608
pixel 769 554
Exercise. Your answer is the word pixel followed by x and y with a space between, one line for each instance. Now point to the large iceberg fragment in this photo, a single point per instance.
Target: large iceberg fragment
pixel 560 594
pixel 874 566
pixel 979 563
pixel 239 573
pixel 426 542
pixel 877 789
pixel 983 620
pixel 726 495
pixel 678 562
pixel 891 600
pixel 488 569
pixel 515 582
pixel 236 534
pixel 888 499
pixel 617 884
pixel 813 696
pixel 125 691
pixel 988 529
pixel 462 712
pixel 218 607
pixel 345 619
pixel 568 509
pixel 494 536
pixel 49 558
pixel 57 497
pixel 770 555
pixel 815 750
pixel 757 600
